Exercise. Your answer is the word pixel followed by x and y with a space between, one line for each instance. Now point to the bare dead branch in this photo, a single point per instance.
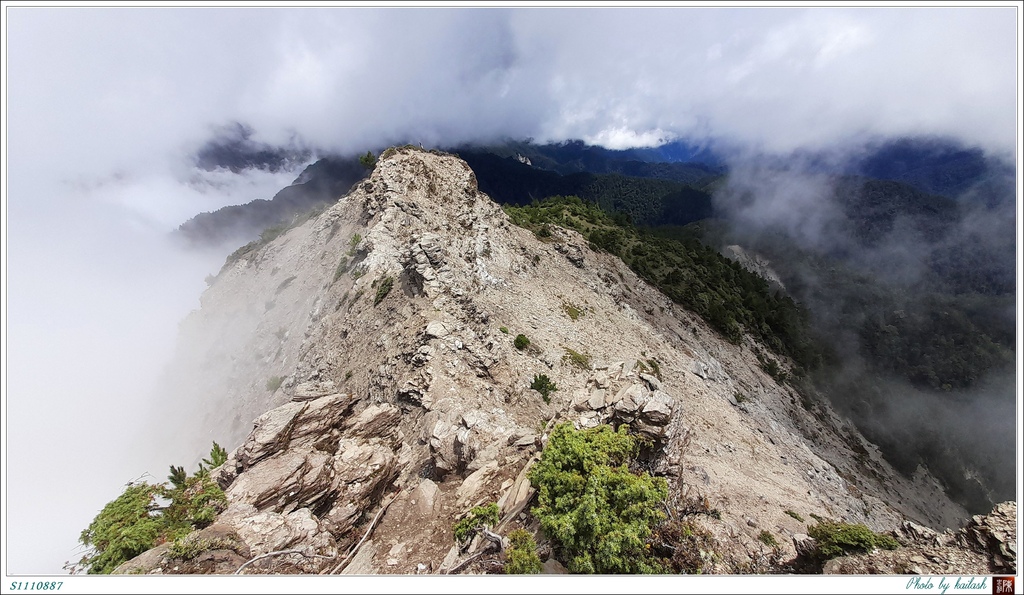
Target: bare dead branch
pixel 341 565
pixel 279 553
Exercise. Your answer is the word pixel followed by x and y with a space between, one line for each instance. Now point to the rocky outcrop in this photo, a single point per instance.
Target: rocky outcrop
pixel 217 549
pixel 374 347
pixel 756 264
pixel 616 395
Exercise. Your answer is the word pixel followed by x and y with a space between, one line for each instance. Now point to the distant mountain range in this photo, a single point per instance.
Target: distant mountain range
pixel 319 183
pixel 668 185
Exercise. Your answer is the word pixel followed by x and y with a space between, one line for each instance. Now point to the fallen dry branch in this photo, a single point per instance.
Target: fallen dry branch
pixel 380 513
pixel 278 553
pixel 492 539
pixel 460 566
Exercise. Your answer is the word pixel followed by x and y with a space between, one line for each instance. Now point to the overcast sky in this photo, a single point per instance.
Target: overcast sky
pixel 105 107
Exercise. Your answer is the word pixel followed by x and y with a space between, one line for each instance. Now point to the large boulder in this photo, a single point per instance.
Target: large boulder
pixel 269 531
pixel 658 409
pixel 473 485
pixel 363 470
pixel 376 421
pixel 276 429
pixel 289 480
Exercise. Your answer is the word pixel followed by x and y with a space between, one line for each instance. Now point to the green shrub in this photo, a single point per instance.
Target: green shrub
pixel 767 538
pixel 383 288
pixel 177 476
pixel 521 342
pixel 771 367
pixel 599 512
pixel 353 242
pixel 369 160
pixel 480 516
pixel 274 383
pixel 503 329
pixel 188 547
pixel 521 556
pixel 838 539
pixel 135 521
pixel 572 311
pixel 271 233
pixel 196 504
pixel 218 456
pixel 655 368
pixel 125 528
pixel 542 384
pixel 795 515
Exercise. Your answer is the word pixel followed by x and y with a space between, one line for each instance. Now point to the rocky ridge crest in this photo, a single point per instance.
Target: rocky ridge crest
pixel 401 401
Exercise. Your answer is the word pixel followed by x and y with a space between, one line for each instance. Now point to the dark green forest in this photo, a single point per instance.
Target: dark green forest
pixel 645 200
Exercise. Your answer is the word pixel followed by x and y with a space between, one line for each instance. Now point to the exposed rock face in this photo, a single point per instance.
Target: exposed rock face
pixel 403 404
pixel 755 264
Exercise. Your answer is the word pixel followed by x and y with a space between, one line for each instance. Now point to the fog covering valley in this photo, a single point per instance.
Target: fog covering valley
pixel 765 124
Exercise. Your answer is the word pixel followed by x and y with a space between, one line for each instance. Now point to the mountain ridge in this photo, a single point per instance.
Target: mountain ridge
pixel 370 345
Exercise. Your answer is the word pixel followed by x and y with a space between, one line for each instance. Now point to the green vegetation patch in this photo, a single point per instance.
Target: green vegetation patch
pixel 839 539
pixel 369 160
pixel 137 520
pixel 650 367
pixel 598 511
pixel 383 288
pixel 572 311
pixel 542 384
pixel 576 359
pixel 479 517
pixel 191 546
pixel 767 538
pixel 521 556
pixel 521 342
pixel 273 232
pixel 353 242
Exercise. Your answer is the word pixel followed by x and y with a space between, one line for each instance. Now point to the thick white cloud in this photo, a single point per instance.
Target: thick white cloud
pixel 105 106
pixel 128 84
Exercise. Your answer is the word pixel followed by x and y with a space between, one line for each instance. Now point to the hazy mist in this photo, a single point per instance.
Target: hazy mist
pixel 798 214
